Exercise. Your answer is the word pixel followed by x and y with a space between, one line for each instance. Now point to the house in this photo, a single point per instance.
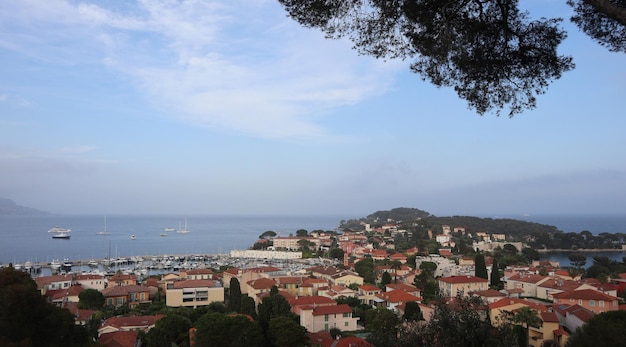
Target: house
pixel 290 284
pixel 196 274
pixel 461 285
pixel 122 280
pixel 90 281
pixel 61 296
pixel 392 299
pixel 527 282
pixel 53 282
pixel 548 330
pixel 81 316
pixel 593 300
pixel 130 323
pixel 130 295
pixel 324 318
pixel 304 301
pixel 194 293
pixel 504 310
pixel 572 316
pixel 398 257
pixel 311 286
pixel 244 276
pixel 346 278
pixel 367 294
pixel 255 288
pixel 409 288
pixel 337 292
pixel 556 284
pixel 489 296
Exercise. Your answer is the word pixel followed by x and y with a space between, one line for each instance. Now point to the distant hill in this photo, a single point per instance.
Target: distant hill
pixel 9 207
pixel 472 224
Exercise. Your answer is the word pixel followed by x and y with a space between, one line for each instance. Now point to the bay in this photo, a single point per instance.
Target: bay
pixel 26 238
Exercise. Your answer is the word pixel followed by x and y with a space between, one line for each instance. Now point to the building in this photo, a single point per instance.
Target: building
pixel 461 285
pixel 324 318
pixel 592 300
pixel 131 295
pixel 194 293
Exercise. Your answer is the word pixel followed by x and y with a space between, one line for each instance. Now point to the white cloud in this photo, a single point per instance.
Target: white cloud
pixel 237 66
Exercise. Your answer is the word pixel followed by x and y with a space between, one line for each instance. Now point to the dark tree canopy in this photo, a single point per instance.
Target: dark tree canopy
pixel 480 266
pixel 491 53
pixel 605 329
pixel 602 20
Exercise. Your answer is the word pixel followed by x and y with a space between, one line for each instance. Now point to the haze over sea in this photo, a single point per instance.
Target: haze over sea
pixel 25 238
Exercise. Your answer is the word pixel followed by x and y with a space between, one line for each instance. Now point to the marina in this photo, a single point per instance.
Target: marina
pixel 145 266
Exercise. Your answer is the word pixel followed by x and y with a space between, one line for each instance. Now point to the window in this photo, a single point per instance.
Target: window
pixel 346 324
pixel 601 303
pixel 326 318
pixel 347 315
pixel 592 303
pixel 580 301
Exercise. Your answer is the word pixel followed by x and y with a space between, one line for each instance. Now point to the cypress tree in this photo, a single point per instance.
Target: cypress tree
pixel 480 266
pixel 234 297
pixel 495 275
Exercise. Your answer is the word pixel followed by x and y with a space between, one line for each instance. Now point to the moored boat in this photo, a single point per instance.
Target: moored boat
pixel 61 235
pixel 59 230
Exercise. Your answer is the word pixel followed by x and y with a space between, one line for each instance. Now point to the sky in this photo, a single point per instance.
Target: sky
pixel 232 108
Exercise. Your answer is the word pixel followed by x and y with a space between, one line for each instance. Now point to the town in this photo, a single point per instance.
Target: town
pixel 348 288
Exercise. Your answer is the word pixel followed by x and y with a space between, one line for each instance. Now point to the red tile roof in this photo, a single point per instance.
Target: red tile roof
pixel 585 294
pixel 512 301
pixel 463 279
pixel 396 296
pixel 119 339
pixel 333 309
pixel 196 284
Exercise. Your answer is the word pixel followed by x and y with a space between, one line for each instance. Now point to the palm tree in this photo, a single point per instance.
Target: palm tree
pixel 528 317
pixel 395 266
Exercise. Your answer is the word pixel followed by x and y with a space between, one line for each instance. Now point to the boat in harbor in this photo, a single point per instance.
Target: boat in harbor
pixel 163 234
pixel 104 232
pixel 184 230
pixel 61 235
pixel 169 229
pixel 133 237
pixel 59 230
pixel 55 264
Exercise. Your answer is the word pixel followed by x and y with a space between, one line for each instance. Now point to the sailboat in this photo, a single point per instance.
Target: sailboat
pixel 104 232
pixel 184 230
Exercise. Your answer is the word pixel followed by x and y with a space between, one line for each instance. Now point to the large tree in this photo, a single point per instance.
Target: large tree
pixel 173 329
pixel 493 55
pixel 26 319
pixel 605 329
pixel 91 299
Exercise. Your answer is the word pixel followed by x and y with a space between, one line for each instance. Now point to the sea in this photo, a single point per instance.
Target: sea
pixel 26 238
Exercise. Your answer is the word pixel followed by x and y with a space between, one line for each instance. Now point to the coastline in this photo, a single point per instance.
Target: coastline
pixel 543 250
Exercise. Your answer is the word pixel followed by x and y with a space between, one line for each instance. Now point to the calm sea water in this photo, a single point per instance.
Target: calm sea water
pixel 25 238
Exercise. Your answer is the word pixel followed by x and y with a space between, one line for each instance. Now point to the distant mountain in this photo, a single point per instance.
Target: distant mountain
pixel 9 207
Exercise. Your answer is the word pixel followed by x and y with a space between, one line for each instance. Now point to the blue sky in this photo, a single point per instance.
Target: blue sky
pixel 230 107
